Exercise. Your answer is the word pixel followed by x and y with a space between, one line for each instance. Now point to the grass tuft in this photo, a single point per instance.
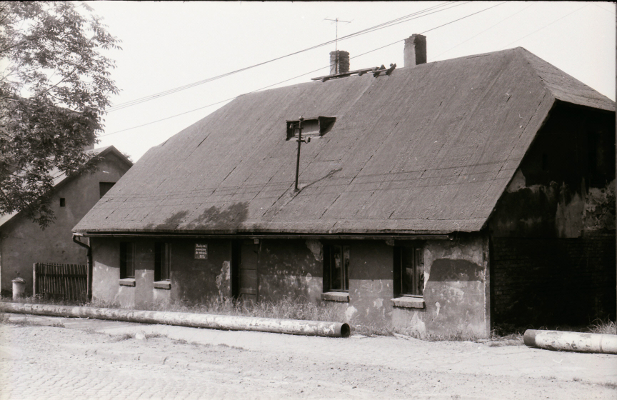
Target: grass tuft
pixel 286 308
pixel 607 327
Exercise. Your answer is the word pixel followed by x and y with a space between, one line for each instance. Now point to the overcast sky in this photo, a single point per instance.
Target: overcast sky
pixel 167 45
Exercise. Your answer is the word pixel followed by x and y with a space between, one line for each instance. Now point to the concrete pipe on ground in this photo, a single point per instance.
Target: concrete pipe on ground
pixel 211 321
pixel 571 341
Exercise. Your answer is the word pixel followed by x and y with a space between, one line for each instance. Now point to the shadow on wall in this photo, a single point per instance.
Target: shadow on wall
pixel 211 218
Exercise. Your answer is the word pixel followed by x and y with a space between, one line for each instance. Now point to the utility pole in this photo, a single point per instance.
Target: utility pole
pixel 300 141
pixel 336 21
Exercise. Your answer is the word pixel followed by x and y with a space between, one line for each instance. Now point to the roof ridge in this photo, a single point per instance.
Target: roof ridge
pixel 563 86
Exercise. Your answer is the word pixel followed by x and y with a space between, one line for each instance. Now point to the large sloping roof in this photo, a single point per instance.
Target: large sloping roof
pixel 428 149
pixel 61 177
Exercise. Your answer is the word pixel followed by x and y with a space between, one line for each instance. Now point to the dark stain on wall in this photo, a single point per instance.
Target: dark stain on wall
pixel 445 269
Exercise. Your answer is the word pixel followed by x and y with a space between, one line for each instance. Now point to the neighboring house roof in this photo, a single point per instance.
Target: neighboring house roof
pixel 60 177
pixel 428 149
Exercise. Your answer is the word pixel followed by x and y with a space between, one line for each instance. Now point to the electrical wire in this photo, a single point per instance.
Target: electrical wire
pixel 406 18
pixel 487 29
pixel 286 80
pixel 545 26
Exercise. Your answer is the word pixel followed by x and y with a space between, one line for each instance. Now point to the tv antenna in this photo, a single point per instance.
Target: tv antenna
pixel 336 21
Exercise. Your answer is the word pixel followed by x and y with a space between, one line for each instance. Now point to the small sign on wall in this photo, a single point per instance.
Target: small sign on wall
pixel 201 251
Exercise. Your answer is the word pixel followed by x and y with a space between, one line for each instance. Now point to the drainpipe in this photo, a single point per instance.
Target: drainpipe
pixel 88 264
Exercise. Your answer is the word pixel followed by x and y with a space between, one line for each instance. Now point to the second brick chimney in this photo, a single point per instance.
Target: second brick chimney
pixel 415 50
pixel 339 62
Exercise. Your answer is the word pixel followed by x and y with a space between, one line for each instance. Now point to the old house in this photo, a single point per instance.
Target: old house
pixel 23 243
pixel 442 197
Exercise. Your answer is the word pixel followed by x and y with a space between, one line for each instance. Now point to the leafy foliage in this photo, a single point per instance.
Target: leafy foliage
pixel 54 87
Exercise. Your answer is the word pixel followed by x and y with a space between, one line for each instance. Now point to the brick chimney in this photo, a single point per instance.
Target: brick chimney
pixel 415 50
pixel 339 62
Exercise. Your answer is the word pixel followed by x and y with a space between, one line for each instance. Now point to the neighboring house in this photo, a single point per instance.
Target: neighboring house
pixel 23 243
pixel 445 197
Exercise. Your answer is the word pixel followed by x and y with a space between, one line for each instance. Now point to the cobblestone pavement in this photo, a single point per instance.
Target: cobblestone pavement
pixel 49 358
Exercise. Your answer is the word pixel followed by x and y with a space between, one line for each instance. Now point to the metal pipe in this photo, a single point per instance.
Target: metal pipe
pixel 299 144
pixel 571 341
pixel 210 321
pixel 88 264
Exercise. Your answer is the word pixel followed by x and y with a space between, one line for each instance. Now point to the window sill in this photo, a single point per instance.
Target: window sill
pixel 408 302
pixel 162 285
pixel 341 297
pixel 127 282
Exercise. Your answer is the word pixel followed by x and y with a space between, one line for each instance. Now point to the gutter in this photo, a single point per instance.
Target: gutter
pixel 88 263
pixel 270 236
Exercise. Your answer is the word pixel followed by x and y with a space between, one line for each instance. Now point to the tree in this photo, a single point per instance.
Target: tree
pixel 54 87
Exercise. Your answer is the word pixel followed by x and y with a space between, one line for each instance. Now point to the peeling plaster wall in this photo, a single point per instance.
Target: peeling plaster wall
pixel 192 280
pixel 553 230
pixel 370 283
pixel 455 280
pixel 565 186
pixel 456 290
pixel 290 268
pixel 196 280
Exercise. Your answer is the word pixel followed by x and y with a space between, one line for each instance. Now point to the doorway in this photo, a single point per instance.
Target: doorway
pixel 245 277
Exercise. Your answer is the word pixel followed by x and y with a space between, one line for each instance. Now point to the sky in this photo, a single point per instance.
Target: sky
pixel 168 45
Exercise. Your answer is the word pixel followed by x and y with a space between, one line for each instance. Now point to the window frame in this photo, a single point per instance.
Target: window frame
pixel 127 264
pixel 312 127
pixel 328 261
pixel 417 257
pixel 162 261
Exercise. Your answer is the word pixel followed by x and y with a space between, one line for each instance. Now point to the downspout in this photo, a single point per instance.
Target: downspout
pixel 88 264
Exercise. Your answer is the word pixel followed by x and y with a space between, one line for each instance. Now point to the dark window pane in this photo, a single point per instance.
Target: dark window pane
pixel 337 267
pixel 346 267
pixel 162 261
pixel 127 260
pixel 411 278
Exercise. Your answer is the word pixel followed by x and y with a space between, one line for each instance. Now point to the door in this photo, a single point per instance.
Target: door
pixel 247 279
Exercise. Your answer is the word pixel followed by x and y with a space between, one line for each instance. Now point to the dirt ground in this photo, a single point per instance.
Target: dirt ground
pixel 44 357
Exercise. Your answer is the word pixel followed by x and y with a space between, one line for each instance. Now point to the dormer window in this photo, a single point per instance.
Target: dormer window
pixel 311 127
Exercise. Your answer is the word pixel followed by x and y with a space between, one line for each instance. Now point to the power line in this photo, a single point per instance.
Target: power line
pixel 213 104
pixel 489 28
pixel 545 26
pixel 286 80
pixel 448 23
pixel 451 22
pixel 406 18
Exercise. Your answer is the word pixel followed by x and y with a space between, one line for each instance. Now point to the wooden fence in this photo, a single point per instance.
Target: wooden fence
pixel 67 281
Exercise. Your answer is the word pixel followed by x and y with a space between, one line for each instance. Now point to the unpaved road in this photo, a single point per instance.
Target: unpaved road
pixel 48 358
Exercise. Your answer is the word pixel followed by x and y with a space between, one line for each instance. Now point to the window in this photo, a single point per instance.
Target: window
pixel 162 261
pixel 127 260
pixel 336 268
pixel 408 271
pixel 104 188
pixel 62 202
pixel 314 127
